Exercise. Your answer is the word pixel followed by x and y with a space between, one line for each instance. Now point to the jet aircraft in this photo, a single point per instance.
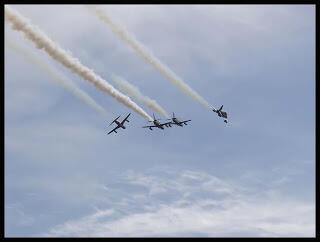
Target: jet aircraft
pixel 221 114
pixel 119 124
pixel 176 121
pixel 157 124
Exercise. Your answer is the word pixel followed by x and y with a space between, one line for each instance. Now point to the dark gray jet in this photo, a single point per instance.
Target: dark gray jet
pixel 221 114
pixel 176 121
pixel 120 125
pixel 157 124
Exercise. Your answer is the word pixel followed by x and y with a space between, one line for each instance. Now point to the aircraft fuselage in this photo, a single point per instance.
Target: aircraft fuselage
pixel 158 124
pixel 221 114
pixel 118 123
pixel 177 121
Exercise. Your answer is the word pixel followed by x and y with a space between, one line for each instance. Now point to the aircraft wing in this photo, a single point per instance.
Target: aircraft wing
pixel 125 119
pixel 150 126
pixel 114 130
pixel 185 121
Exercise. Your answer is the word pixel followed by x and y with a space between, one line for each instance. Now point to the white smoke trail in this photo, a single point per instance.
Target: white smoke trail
pixel 147 55
pixel 133 91
pixel 42 41
pixel 56 76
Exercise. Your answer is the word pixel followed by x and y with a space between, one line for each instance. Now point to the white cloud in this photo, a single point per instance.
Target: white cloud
pixel 236 213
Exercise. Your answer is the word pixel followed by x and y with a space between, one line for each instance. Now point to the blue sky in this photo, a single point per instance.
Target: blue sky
pixel 254 177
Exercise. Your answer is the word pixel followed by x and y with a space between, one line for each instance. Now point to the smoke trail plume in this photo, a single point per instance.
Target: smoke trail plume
pixel 147 55
pixel 133 91
pixel 42 41
pixel 56 76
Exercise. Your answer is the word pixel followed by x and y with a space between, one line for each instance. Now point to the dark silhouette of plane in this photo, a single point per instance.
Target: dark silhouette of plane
pixel 221 114
pixel 119 124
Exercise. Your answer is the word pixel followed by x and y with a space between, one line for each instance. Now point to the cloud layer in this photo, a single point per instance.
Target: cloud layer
pixel 200 204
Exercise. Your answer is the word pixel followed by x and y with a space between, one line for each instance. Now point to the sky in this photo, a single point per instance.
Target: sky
pixel 254 177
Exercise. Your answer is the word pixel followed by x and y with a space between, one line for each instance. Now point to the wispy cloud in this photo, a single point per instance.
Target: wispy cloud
pixel 21 218
pixel 212 207
pixel 56 76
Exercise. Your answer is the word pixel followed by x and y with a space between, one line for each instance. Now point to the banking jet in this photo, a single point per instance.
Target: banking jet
pixel 157 124
pixel 176 121
pixel 120 125
pixel 221 114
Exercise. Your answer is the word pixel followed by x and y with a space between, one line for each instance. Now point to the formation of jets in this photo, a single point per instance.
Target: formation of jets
pixel 159 125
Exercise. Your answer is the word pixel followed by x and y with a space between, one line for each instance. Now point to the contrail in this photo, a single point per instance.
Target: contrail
pixel 20 23
pixel 147 55
pixel 133 91
pixel 55 76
